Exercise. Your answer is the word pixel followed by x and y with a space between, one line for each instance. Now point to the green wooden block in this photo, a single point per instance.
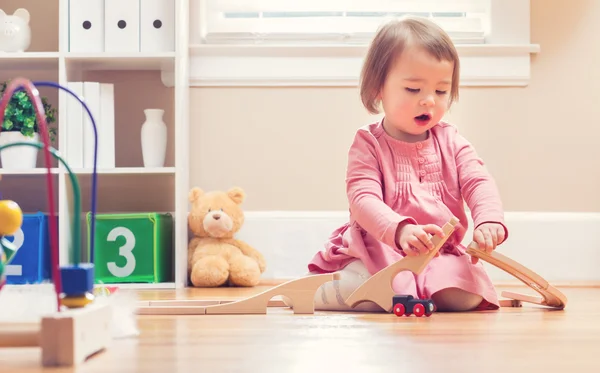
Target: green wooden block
pixel 133 248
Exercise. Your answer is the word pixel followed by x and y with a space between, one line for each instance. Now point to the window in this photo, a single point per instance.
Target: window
pixel 323 43
pixel 334 21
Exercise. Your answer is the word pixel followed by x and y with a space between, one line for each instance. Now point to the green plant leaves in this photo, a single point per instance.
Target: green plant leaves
pixel 8 125
pixel 20 114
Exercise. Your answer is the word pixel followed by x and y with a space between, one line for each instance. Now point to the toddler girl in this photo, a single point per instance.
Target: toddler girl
pixel 407 175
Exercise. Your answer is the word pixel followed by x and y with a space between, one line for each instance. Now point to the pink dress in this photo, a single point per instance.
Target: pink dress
pixel 390 181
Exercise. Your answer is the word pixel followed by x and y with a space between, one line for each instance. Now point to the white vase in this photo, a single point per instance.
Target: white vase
pixel 154 138
pixel 21 157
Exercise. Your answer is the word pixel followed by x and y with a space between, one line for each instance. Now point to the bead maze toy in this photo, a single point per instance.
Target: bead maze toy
pixel 80 326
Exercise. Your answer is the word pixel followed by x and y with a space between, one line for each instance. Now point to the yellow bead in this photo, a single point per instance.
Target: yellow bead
pixel 77 301
pixel 11 217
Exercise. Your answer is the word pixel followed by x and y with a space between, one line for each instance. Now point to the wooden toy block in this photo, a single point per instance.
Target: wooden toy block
pixel 301 291
pixel 551 297
pixel 66 338
pixel 31 262
pixel 378 288
pixel 133 247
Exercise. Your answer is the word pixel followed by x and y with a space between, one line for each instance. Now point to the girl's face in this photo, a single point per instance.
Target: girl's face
pixel 416 94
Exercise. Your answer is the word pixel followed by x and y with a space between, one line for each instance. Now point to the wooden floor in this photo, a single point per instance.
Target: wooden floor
pixel 528 339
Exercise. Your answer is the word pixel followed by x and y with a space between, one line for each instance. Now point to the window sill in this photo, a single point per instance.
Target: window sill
pixel 329 65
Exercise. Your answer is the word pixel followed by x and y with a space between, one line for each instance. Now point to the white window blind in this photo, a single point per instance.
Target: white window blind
pixel 334 21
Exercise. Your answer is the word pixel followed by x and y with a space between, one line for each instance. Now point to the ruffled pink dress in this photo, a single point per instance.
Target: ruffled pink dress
pixel 391 181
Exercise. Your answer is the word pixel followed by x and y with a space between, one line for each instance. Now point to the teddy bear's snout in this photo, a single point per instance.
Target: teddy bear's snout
pixel 217 223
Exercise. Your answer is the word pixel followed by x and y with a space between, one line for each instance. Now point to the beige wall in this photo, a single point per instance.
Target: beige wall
pixel 287 146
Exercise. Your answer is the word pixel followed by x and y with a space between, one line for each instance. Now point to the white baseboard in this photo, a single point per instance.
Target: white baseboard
pixel 560 247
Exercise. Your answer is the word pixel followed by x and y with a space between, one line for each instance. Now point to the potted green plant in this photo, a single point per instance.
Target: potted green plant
pixel 21 125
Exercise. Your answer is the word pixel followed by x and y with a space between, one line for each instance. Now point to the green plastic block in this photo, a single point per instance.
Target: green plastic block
pixel 133 248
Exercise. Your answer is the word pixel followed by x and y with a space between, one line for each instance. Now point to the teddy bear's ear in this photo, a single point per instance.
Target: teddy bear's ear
pixel 195 193
pixel 236 194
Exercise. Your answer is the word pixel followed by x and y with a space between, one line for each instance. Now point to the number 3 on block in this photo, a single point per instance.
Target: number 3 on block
pixel 124 251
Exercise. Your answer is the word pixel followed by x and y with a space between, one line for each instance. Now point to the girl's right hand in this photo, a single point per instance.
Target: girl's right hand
pixel 414 239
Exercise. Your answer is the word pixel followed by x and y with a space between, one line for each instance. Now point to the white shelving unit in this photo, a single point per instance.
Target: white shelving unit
pixel 141 80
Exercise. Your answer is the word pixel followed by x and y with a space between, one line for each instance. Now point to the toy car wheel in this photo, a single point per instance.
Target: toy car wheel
pixel 419 310
pixel 399 309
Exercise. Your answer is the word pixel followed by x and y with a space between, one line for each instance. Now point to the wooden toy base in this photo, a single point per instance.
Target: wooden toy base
pixel 66 338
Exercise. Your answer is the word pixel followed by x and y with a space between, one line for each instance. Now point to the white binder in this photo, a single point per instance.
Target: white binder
pixel 75 123
pixel 157 26
pixel 86 26
pixel 106 127
pixel 91 94
pixel 122 25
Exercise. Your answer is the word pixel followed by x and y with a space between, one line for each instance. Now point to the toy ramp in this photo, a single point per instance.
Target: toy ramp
pixel 551 297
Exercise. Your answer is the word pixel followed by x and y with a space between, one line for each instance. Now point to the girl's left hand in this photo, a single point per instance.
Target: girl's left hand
pixel 488 236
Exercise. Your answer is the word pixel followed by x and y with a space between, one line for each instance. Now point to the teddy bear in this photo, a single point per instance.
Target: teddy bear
pixel 215 257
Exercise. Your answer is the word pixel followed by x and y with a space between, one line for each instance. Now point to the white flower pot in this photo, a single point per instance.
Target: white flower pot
pixel 18 157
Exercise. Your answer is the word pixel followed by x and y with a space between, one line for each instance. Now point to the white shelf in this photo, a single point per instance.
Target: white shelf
pixel 35 171
pixel 121 61
pixel 29 60
pixel 116 171
pixel 127 170
pixel 141 80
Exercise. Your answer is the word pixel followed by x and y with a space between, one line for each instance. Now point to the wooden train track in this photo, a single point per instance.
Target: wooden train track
pixel 378 288
pixel 301 292
pixel 551 297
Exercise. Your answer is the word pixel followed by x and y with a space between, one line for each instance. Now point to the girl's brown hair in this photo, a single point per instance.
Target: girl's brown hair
pixel 388 44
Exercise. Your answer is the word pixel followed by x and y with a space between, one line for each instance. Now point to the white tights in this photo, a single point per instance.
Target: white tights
pixel 331 295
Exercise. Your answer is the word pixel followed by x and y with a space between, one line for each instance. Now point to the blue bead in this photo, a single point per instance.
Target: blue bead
pixel 77 279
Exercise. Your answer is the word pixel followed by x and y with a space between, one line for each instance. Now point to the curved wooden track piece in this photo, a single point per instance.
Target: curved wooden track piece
pixel 378 288
pixel 301 291
pixel 199 302
pixel 551 297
